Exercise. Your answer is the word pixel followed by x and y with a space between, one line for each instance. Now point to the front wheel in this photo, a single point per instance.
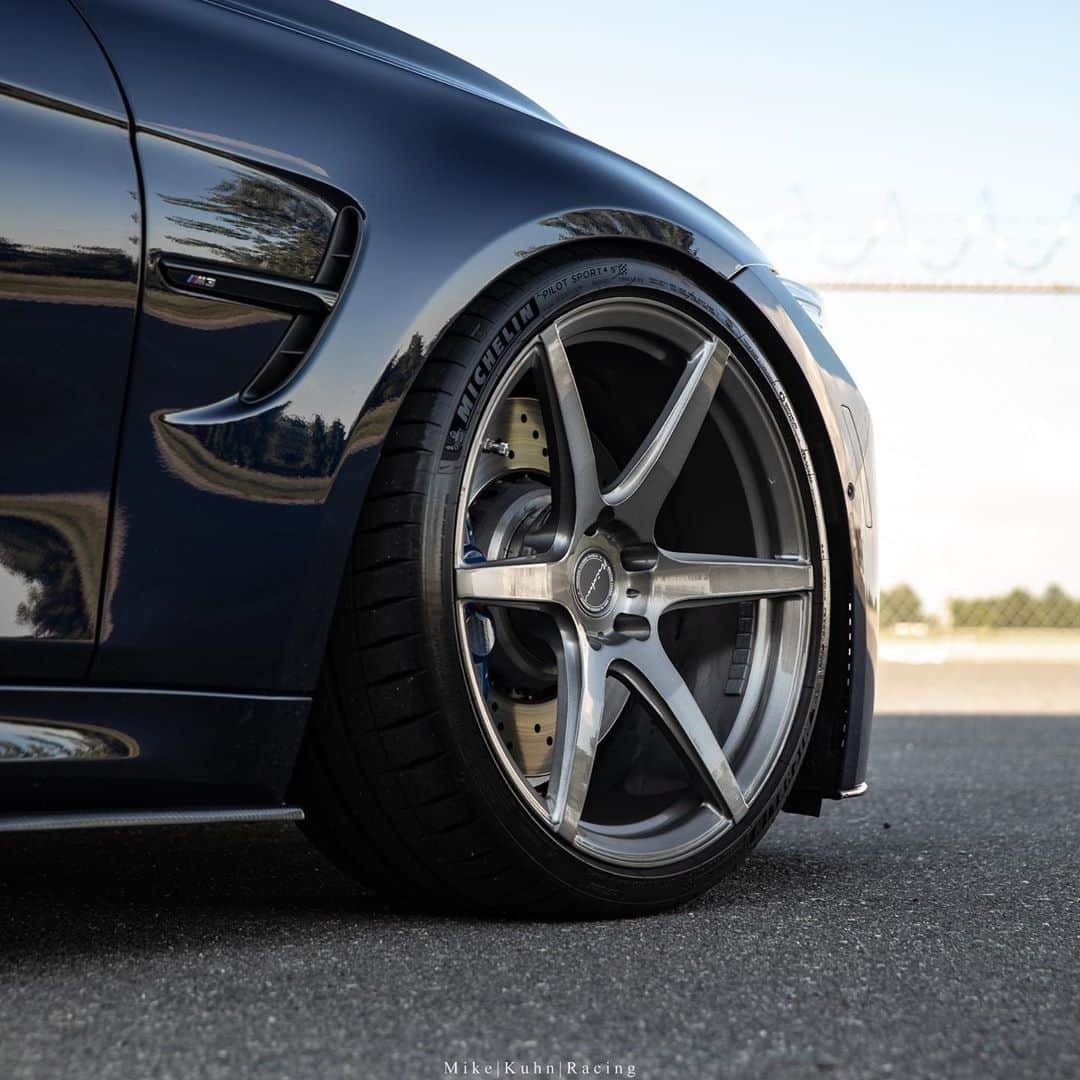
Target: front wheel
pixel 581 636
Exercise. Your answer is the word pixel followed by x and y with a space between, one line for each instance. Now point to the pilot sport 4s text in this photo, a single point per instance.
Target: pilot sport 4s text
pixel 380 455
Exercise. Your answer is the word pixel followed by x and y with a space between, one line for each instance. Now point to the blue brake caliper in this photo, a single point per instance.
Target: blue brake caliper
pixel 479 628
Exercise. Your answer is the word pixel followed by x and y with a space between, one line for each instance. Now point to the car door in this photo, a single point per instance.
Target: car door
pixel 70 238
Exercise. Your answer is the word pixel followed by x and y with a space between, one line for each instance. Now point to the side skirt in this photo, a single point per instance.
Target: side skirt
pixel 83 752
pixel 108 819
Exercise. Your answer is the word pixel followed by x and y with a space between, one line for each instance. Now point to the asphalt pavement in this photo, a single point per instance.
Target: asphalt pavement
pixel 931 928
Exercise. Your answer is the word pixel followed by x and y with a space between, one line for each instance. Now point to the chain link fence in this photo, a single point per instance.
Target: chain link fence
pixel 1054 609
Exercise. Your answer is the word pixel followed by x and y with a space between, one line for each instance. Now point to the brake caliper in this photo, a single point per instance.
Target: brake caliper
pixel 479 626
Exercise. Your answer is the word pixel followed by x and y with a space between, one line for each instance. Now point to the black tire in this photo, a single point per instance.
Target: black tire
pixel 398 781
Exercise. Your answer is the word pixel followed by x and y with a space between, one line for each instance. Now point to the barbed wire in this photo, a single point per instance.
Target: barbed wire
pixel 928 253
pixel 1051 288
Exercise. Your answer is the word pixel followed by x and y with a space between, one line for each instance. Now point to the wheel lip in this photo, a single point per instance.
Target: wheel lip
pixel 508 766
pixel 564 320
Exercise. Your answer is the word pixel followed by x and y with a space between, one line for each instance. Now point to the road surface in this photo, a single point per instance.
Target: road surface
pixel 929 929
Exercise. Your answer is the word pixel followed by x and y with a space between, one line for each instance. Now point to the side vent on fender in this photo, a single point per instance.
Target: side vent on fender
pixel 340 252
pixel 310 303
pixel 288 358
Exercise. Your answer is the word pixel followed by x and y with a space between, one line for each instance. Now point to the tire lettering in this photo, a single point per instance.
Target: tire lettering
pixel 504 338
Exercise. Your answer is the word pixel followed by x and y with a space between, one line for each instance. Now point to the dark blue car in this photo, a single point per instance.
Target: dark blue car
pixel 376 452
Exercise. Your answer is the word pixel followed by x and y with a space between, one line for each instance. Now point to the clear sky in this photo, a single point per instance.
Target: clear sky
pixel 817 126
pixel 932 99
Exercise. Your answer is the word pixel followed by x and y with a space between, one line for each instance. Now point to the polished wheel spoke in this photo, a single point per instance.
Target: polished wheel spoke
pixel 576 496
pixel 686 580
pixel 509 582
pixel 579 724
pixel 649 670
pixel 644 484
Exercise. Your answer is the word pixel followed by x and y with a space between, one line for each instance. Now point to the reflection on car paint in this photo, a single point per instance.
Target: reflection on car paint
pixel 49 558
pixel 594 224
pixel 205 207
pixel 36 740
pixel 269 457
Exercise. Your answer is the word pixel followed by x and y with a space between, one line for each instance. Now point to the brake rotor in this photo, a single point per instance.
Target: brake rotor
pixel 528 729
pixel 515 442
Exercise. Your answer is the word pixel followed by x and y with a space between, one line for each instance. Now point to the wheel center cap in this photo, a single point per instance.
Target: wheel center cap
pixel 594 582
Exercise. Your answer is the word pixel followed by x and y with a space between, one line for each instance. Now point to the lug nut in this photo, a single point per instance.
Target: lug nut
pixel 639 557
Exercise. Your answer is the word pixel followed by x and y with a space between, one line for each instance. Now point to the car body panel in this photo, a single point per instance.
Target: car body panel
pixel 233 519
pixel 77 748
pixel 69 247
pixel 338 25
